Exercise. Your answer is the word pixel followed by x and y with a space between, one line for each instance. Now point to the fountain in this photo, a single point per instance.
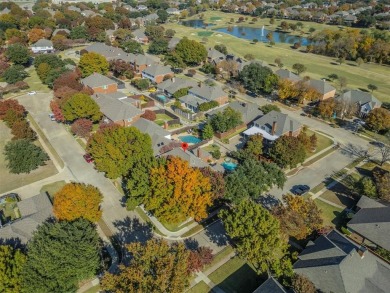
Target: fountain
pixel 262 32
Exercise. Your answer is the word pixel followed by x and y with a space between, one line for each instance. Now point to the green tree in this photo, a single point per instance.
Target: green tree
pixel 79 32
pixel 257 237
pixel 173 59
pixel 221 48
pixel 14 74
pixel 180 93
pixel 367 187
pixel 154 31
pixel 158 46
pixel 257 78
pixel 60 255
pixel 162 15
pixel 155 266
pixel 225 120
pixel 81 106
pixel 23 156
pixel 18 54
pixel 251 179
pixel 131 46
pixel 191 52
pixel 288 151
pixel 116 149
pixel 301 284
pixel 372 87
pixel 378 119
pixel 141 84
pixel 92 62
pixel 11 266
pixel 269 107
pixel 54 61
pixel 299 68
pixel 207 132
pixel 21 130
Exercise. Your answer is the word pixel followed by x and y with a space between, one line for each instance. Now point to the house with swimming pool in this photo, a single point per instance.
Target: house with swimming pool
pixel 202 94
pixel 157 72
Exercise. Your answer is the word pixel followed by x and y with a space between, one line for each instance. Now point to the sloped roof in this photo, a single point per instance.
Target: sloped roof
pixel 207 92
pixel 366 202
pixel 192 100
pixel 333 264
pixel 42 43
pixel 249 111
pixel 284 123
pixel 321 86
pixel 174 84
pixel 188 156
pixel 270 286
pixel 373 224
pixel 34 211
pixel 287 74
pixel 97 80
pixel 361 98
pixel 157 69
pixel 215 55
pixel 139 33
pixel 173 42
pixel 114 109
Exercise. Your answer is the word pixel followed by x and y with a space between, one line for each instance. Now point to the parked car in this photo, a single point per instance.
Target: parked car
pixel 300 189
pixel 52 117
pixel 32 93
pixel 88 158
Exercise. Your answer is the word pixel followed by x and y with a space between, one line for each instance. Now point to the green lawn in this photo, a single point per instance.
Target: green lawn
pixel 53 188
pixel 331 215
pixel 12 181
pixel 322 142
pixel 317 66
pixel 236 276
pixel 34 82
pixel 220 256
pixel 173 227
pixel 9 212
pixel 201 287
pixel 211 148
pixel 205 34
pixel 338 194
pixel 94 289
pixel 161 119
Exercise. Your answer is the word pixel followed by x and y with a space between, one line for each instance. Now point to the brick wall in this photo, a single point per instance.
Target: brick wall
pixel 229 132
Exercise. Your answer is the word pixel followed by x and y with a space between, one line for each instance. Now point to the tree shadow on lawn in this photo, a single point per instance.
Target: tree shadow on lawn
pixel 191 244
pixel 216 233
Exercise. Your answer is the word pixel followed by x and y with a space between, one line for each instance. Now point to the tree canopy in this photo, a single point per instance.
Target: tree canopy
pixel 379 119
pixel 191 52
pixel 61 254
pixel 178 191
pixel 251 179
pixel 78 200
pixel 257 78
pixel 155 266
pixel 14 74
pixel 131 46
pixel 116 149
pixel 81 106
pixel 18 54
pixel 92 62
pixel 288 151
pixel 257 237
pixel 11 266
pixel 225 120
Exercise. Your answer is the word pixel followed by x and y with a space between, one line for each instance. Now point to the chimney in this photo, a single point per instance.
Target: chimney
pixel 362 250
pixel 199 152
pixel 165 125
pixel 273 128
pixel 290 133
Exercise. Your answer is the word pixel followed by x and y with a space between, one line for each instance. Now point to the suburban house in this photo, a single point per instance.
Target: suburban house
pixel 61 31
pixel 160 137
pixel 270 286
pixel 117 111
pixel 249 111
pixel 140 37
pixel 42 46
pixel 323 88
pixel 214 56
pixel 372 222
pixel 34 211
pixel 188 156
pixel 336 264
pixel 172 85
pixel 173 11
pixel 287 74
pixel 100 83
pixel 364 100
pixel 202 94
pixel 150 19
pixel 274 125
pixel 157 72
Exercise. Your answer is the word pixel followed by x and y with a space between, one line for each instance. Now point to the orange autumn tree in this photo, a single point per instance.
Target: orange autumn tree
pixel 78 200
pixel 178 191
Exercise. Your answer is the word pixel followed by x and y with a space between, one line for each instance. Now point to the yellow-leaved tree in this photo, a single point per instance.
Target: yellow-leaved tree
pixel 78 200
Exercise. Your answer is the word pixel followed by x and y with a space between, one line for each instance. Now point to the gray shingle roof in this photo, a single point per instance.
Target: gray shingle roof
pixel 215 55
pixel 139 33
pixel 34 211
pixel 173 42
pixel 284 123
pixel 321 86
pixel 42 43
pixel 114 109
pixel 97 80
pixel 287 74
pixel 207 92
pixel 361 98
pixel 188 156
pixel 192 100
pixel 176 83
pixel 157 69
pixel 249 111
pixel 366 202
pixel 270 286
pixel 373 224
pixel 333 264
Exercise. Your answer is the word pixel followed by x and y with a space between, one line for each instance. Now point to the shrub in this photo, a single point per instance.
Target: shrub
pixel 81 127
pixel 208 105
pixel 216 154
pixel 149 115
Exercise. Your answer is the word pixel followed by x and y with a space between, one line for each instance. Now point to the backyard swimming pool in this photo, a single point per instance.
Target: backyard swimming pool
pixel 190 139
pixel 162 98
pixel 230 166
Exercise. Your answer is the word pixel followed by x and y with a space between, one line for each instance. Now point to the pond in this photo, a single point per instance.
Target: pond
pixel 196 23
pixel 251 33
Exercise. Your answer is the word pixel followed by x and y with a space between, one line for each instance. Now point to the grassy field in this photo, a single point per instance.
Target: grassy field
pixel 331 215
pixel 236 276
pixel 317 66
pixel 201 287
pixel 12 181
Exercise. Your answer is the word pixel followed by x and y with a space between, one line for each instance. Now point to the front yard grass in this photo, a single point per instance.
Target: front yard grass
pixel 201 287
pixel 161 119
pixel 11 181
pixel 331 215
pixel 236 276
pixel 219 256
pixel 53 188
pixel 34 82
pixel 322 142
pixel 173 227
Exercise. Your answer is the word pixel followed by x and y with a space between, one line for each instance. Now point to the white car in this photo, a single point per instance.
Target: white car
pixel 32 93
pixel 51 116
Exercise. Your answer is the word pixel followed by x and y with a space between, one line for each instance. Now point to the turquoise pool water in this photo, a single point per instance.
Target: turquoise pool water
pixel 230 166
pixel 190 139
pixel 163 98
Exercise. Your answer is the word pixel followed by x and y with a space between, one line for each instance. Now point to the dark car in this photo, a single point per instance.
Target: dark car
pixel 88 158
pixel 300 189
